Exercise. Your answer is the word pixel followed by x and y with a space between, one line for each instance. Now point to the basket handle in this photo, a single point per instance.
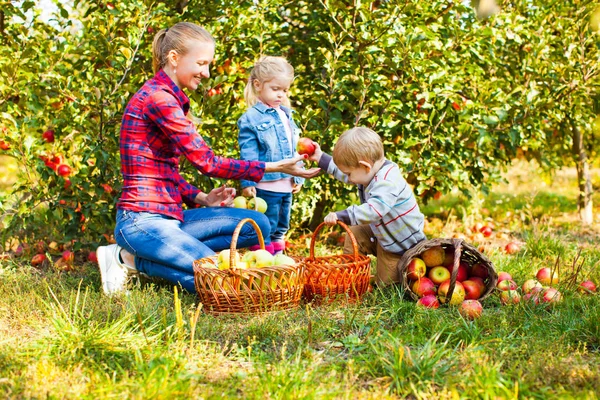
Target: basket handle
pixel 457 243
pixel 348 231
pixel 236 235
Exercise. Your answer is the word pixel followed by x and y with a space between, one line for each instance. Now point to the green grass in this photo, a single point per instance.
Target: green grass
pixel 60 338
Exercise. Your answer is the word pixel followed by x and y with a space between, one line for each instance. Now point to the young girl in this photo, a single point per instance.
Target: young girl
pixel 155 235
pixel 267 132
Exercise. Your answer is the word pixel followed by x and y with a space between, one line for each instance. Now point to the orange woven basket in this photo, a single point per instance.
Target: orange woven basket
pixel 329 276
pixel 247 291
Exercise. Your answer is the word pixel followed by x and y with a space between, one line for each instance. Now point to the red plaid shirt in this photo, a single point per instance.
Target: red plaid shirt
pixel 154 133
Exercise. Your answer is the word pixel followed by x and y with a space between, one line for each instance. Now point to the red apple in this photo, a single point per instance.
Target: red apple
pixel 458 295
pixel 507 284
pixel 512 248
pixel 438 274
pixel 463 271
pixel 546 276
pixel 470 309
pixel 4 145
pixel 503 276
pixel 510 297
pixel 68 256
pixel 487 231
pixel 551 295
pixel 38 259
pixel 479 270
pixel 306 146
pixel 422 287
pixel 531 286
pixel 48 136
pixel 416 269
pixel 63 170
pixel 531 298
pixel 92 257
pixel 429 301
pixel 588 287
pixel 434 256
pixel 473 289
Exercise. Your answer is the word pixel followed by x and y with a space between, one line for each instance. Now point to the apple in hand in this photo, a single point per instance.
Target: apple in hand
pixel 588 287
pixel 423 286
pixel 470 309
pixel 416 269
pixel 438 274
pixel 473 289
pixel 429 301
pixel 240 202
pixel 546 276
pixel 458 295
pixel 306 146
pixel 434 256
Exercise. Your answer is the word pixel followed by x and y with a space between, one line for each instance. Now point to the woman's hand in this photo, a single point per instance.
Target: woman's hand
pixel 222 196
pixel 331 219
pixel 290 166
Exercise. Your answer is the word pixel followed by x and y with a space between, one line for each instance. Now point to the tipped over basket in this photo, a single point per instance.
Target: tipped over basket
pixel 247 291
pixel 329 276
pixel 457 253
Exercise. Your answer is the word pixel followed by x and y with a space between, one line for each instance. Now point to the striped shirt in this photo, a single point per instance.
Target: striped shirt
pixel 388 205
pixel 155 132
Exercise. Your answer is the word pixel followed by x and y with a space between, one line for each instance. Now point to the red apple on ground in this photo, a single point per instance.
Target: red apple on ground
pixel 512 248
pixel 68 256
pixel 551 295
pixel 458 295
pixel 48 136
pixel 473 289
pixel 434 256
pixel 531 286
pixel 487 231
pixel 479 270
pixel 38 259
pixel 503 276
pixel 306 146
pixel 416 269
pixel 438 274
pixel 422 287
pixel 92 257
pixel 507 284
pixel 510 297
pixel 470 309
pixel 546 276
pixel 588 287
pixel 531 298
pixel 429 301
pixel 63 170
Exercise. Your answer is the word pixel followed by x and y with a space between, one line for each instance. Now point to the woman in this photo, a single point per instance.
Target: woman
pixel 155 235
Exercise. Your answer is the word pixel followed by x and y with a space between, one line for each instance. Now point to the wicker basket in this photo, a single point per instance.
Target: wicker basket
pixel 247 291
pixel 463 251
pixel 329 276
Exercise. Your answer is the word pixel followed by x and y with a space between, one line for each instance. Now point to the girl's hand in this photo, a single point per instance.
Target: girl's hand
pixel 249 191
pixel 331 219
pixel 296 187
pixel 222 196
pixel 290 166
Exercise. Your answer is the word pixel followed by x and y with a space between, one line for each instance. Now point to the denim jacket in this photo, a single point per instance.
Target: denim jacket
pixel 262 137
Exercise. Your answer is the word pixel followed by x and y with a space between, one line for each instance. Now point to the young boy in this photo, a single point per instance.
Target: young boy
pixel 388 221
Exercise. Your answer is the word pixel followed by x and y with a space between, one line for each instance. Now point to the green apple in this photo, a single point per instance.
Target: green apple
pixel 224 257
pixel 258 258
pixel 258 205
pixel 240 202
pixel 282 259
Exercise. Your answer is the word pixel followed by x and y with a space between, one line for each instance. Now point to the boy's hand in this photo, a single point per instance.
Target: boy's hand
pixel 331 219
pixel 249 191
pixel 316 156
pixel 296 187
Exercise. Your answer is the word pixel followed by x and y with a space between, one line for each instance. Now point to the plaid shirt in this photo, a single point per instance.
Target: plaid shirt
pixel 154 133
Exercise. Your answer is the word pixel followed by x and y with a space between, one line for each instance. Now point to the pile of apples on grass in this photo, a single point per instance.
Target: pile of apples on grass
pixel 429 278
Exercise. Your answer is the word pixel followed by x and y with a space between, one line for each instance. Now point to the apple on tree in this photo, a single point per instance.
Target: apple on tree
pixel 48 136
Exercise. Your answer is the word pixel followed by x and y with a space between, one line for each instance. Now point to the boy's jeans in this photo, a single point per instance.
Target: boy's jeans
pixel 278 213
pixel 166 248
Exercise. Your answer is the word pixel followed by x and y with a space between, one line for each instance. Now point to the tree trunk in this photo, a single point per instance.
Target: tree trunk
pixel 318 213
pixel 584 179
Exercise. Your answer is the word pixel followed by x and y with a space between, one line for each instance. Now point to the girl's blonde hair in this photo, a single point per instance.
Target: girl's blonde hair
pixel 266 69
pixel 176 38
pixel 357 144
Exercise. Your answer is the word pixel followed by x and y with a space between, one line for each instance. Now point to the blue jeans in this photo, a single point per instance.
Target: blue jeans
pixel 279 206
pixel 165 247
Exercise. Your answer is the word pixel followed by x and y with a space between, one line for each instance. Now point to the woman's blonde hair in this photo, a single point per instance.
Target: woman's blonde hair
pixel 357 144
pixel 176 38
pixel 266 69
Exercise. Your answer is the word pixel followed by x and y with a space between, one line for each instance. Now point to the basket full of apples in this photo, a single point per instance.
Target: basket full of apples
pixel 337 274
pixel 446 271
pixel 255 282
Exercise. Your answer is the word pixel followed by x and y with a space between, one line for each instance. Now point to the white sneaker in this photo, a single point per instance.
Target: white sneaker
pixel 113 272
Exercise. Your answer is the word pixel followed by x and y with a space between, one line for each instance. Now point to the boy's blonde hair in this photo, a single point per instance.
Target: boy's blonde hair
pixel 357 144
pixel 266 69
pixel 176 38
